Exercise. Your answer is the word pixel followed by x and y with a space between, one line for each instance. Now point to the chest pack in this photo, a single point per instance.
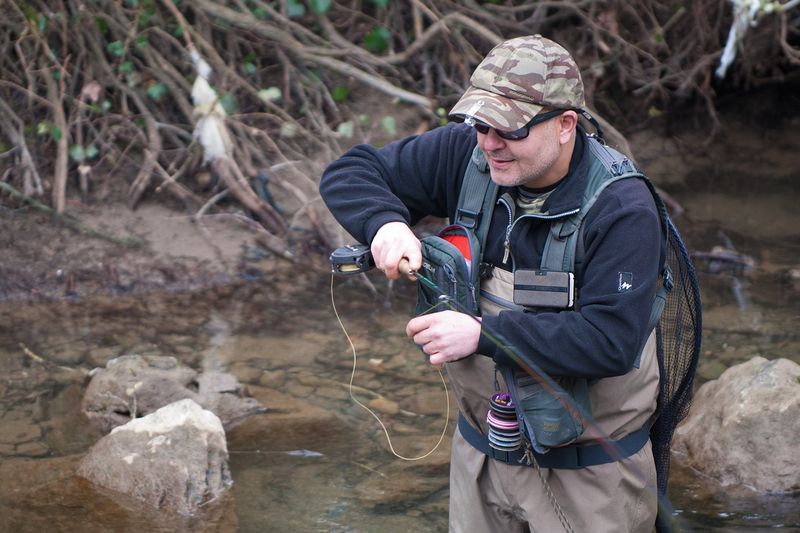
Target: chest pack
pixel 453 260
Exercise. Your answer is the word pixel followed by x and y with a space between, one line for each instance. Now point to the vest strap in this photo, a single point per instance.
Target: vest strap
pixel 565 457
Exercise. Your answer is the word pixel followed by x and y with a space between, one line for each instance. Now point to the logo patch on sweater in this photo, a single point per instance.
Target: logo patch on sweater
pixel 624 281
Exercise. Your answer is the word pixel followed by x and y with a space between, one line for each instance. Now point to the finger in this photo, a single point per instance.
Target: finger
pixel 417 324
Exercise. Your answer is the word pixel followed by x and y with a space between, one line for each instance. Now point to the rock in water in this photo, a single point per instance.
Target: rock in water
pixel 174 459
pixel 743 428
pixel 133 386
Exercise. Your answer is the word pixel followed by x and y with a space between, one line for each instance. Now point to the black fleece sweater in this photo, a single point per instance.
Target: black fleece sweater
pixel 421 175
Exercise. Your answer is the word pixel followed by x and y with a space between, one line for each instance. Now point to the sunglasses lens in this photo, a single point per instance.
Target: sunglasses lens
pixel 516 135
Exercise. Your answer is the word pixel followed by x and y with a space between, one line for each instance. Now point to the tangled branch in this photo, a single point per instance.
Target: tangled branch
pixel 96 97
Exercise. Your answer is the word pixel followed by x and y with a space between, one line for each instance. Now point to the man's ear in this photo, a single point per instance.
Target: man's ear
pixel 567 122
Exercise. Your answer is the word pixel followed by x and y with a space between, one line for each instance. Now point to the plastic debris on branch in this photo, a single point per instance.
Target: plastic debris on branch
pixel 210 129
pixel 746 14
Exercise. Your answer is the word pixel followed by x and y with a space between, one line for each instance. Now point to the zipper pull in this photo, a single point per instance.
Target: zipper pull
pixel 507 248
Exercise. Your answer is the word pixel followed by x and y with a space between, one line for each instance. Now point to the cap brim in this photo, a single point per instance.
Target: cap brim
pixel 497 111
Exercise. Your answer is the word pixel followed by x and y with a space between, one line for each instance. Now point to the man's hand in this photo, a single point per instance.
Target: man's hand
pixel 394 242
pixel 445 336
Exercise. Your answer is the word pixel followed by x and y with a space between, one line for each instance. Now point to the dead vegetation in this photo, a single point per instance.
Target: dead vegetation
pixel 96 97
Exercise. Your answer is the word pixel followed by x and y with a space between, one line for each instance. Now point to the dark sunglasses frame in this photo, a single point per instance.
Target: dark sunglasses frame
pixel 523 132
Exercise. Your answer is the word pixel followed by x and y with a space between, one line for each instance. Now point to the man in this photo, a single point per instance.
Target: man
pixel 521 111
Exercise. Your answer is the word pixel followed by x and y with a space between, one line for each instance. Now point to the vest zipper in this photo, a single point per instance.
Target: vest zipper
pixel 512 223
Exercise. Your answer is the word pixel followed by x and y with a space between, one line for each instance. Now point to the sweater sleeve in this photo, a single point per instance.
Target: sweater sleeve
pixel 402 181
pixel 602 338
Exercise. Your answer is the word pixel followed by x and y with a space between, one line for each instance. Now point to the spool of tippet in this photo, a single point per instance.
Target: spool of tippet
pixel 504 432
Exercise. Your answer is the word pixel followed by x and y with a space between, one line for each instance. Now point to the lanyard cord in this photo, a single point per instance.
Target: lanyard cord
pixel 370 411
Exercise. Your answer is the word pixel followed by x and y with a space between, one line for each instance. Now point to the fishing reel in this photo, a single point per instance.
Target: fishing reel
pixel 351 259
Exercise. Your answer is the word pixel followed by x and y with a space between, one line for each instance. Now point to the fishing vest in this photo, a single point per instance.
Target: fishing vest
pixel 607 400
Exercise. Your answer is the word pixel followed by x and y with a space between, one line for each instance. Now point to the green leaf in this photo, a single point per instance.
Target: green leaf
pixel 101 24
pixel 91 151
pixel 249 68
pixel 106 105
pixel 115 48
pixel 270 94
pixel 261 13
pixel 77 153
pixel 381 3
pixel 41 22
pixel 156 90
pixel 55 133
pixel 141 41
pixel 377 40
pixel 363 119
pixel 42 128
pixel 148 13
pixel 126 67
pixel 294 8
pixel 229 103
pixel 346 129
pixel 178 31
pixel 340 94
pixel 389 124
pixel 320 7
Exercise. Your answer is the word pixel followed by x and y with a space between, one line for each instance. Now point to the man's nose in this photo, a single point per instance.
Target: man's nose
pixel 491 141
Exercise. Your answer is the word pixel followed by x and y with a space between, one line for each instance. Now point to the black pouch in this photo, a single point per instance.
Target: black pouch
pixel 450 262
pixel 549 418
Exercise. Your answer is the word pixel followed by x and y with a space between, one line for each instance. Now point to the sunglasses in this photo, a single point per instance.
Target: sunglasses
pixel 517 135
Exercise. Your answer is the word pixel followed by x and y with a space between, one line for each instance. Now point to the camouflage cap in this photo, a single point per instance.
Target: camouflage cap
pixel 517 79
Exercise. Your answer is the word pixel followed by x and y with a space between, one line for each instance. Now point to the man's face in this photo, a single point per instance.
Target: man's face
pixel 537 161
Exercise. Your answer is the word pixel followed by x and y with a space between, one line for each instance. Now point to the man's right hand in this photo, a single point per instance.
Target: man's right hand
pixel 394 242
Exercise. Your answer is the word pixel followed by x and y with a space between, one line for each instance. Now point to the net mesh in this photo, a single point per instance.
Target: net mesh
pixel 678 336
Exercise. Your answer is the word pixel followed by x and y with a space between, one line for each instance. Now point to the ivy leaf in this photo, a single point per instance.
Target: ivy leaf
pixel 77 153
pixel 156 90
pixel 91 151
pixel 346 129
pixel 340 94
pixel 389 124
pixel 295 9
pixel 229 103
pixel 55 133
pixel 320 7
pixel 377 40
pixel 381 3
pixel 115 48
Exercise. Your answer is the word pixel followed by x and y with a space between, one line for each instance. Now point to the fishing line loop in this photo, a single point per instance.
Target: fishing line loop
pixel 370 411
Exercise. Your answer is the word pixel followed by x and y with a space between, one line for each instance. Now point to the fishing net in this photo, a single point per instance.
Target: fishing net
pixel 678 336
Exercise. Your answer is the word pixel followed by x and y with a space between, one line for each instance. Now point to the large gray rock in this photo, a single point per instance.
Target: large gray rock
pixel 174 459
pixel 133 386
pixel 743 429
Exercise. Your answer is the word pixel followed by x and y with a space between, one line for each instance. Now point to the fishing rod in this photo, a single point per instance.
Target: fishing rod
pixel 357 259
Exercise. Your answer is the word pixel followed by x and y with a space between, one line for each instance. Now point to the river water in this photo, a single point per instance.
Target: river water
pixel 317 461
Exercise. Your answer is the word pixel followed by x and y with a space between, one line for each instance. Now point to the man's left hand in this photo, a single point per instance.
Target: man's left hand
pixel 445 336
